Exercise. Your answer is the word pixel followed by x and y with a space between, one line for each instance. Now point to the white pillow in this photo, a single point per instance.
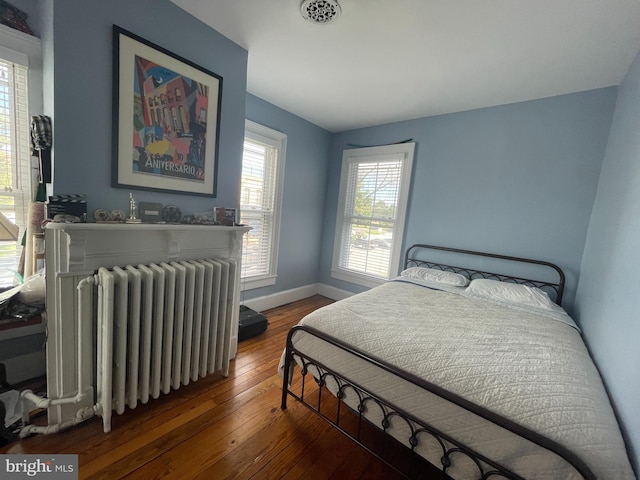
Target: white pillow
pixel 510 292
pixel 436 276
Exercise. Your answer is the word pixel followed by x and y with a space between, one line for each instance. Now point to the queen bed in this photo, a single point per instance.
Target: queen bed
pixel 482 374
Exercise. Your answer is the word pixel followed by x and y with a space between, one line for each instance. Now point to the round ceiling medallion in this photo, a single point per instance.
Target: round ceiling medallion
pixel 320 12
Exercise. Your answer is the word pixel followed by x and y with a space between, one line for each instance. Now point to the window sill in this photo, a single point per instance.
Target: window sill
pixel 258 282
pixel 358 279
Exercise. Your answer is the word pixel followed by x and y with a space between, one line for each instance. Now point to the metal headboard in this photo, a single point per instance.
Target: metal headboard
pixel 413 258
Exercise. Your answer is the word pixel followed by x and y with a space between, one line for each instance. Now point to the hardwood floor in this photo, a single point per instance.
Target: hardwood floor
pixel 219 428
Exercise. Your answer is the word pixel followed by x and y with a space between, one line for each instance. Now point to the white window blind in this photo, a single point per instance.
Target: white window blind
pixel 15 188
pixel 260 203
pixel 370 221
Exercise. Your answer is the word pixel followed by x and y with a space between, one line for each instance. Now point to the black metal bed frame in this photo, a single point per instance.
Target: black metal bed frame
pixel 557 287
pixel 451 448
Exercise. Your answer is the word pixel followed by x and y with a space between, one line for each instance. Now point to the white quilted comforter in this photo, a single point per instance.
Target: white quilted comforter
pixel 530 368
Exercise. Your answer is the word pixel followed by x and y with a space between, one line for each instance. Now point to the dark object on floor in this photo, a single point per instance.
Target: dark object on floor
pixel 251 323
pixel 4 385
pixel 6 435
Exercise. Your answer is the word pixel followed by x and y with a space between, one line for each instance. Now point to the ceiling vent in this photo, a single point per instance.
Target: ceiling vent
pixel 320 12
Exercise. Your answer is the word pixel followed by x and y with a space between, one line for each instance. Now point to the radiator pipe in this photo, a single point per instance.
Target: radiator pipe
pixel 82 415
pixel 41 402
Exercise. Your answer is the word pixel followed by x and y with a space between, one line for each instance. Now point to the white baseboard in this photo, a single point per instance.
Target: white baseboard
pixel 260 304
pixel 274 300
pixel 333 292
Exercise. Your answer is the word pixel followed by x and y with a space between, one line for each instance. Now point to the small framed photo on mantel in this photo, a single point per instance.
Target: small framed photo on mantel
pixel 226 216
pixel 150 212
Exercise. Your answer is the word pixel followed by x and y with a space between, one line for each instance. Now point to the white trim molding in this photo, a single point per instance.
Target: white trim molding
pixel 260 304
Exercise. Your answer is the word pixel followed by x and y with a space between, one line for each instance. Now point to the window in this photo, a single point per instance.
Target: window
pixel 374 188
pixel 19 70
pixel 260 203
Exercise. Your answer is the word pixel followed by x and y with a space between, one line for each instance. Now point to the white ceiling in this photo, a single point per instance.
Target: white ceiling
pixel 389 60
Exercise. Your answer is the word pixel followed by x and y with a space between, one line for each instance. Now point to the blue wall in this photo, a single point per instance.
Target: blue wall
pixel 608 300
pixel 517 179
pixel 306 168
pixel 80 77
pixel 477 173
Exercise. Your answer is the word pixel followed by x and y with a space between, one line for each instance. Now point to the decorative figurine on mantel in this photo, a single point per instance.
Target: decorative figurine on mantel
pixel 132 215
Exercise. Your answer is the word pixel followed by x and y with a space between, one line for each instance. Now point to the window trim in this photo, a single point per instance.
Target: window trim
pixel 26 50
pixel 358 155
pixel 269 136
pixel 20 48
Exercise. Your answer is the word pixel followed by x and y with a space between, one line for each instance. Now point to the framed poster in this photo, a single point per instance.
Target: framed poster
pixel 166 119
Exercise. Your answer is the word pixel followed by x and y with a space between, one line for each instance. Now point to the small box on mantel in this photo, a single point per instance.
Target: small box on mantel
pixel 251 323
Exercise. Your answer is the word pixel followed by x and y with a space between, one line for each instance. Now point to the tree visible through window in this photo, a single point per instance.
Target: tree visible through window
pixel 373 195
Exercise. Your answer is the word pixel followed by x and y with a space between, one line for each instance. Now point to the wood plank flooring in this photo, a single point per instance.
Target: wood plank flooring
pixel 218 428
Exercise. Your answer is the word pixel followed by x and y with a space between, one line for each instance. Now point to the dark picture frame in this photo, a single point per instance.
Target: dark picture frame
pixel 225 216
pixel 166 119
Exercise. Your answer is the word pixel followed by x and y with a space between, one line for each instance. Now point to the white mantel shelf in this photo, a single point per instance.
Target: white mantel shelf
pixel 84 247
pixel 144 226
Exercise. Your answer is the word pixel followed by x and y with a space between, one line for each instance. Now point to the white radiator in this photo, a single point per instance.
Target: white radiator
pixel 145 354
pixel 160 326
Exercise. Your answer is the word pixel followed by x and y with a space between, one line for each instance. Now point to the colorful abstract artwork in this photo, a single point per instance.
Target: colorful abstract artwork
pixel 167 114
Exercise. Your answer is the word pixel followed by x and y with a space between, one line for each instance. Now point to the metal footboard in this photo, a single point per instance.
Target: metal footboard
pixel 452 450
